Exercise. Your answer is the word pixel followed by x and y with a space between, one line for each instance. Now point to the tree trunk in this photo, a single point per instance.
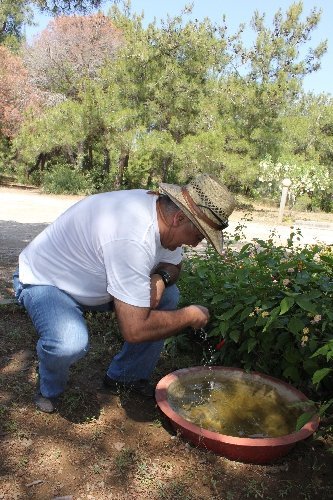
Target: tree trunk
pixel 165 168
pixel 40 163
pixel 90 157
pixel 106 162
pixel 122 166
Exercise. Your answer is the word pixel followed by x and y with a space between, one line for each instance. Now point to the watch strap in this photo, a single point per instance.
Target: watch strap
pixel 165 276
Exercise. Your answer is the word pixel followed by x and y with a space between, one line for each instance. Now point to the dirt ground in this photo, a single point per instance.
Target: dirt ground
pixel 99 446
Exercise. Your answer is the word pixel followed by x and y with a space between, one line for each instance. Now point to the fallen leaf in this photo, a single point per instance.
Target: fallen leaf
pixel 119 446
pixel 33 483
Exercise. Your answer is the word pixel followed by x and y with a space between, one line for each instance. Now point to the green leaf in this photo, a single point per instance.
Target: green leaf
pixel 224 327
pixel 324 407
pixel 313 345
pixel 219 297
pixel 244 248
pixel 251 344
pixel 229 314
pixel 329 314
pixel 234 335
pixel 314 294
pixel 292 373
pixel 249 323
pixel 251 299
pixel 310 366
pixel 327 258
pixel 320 374
pixel 274 314
pixel 295 325
pixel 245 313
pixel 306 304
pixel 302 420
pixel 292 355
pixel 286 304
pixel 322 351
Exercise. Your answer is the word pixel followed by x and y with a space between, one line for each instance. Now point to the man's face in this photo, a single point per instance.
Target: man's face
pixel 184 232
pixel 196 236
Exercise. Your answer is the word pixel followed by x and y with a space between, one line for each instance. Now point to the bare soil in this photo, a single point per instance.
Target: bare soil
pixel 100 446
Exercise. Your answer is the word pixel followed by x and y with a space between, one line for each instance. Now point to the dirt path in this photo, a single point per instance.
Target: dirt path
pixel 31 206
pixel 24 213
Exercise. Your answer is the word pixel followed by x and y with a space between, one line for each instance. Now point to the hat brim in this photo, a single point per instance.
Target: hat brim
pixel 212 235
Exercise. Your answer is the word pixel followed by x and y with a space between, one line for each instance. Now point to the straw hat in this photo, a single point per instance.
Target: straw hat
pixel 206 202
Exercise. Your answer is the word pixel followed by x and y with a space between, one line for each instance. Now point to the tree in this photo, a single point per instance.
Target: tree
pixel 65 61
pixel 256 97
pixel 308 129
pixel 160 78
pixel 16 93
pixel 308 140
pixel 159 102
pixel 275 56
pixel 13 15
pixel 57 7
pixel 69 50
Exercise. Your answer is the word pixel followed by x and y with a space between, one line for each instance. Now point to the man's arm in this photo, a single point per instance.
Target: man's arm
pixel 172 269
pixel 157 285
pixel 140 324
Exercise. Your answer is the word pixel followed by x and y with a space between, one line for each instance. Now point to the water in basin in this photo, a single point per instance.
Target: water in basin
pixel 240 407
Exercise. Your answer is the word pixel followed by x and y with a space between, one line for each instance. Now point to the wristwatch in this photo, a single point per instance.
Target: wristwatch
pixel 165 276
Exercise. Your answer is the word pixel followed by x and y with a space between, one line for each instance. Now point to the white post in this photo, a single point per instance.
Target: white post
pixel 286 183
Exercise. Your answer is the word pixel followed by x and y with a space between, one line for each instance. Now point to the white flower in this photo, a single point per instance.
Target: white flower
pixel 316 319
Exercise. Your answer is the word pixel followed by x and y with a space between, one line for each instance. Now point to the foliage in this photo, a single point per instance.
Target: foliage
pixel 40 135
pixel 57 7
pixel 13 14
pixel 276 55
pixel 312 180
pixel 16 93
pixel 272 307
pixel 252 102
pixel 161 80
pixel 70 49
pixel 164 101
pixel 63 179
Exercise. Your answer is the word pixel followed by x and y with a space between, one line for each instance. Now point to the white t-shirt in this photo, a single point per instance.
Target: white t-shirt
pixel 106 244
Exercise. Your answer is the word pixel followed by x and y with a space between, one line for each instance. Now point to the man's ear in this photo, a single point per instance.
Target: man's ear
pixel 179 218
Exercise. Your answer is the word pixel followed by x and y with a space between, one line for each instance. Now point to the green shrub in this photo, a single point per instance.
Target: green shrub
pixel 271 306
pixel 63 179
pixel 313 180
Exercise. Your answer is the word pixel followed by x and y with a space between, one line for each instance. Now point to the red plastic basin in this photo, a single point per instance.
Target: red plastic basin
pixel 250 450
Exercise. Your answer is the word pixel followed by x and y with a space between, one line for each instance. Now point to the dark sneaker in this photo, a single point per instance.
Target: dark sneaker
pixel 141 387
pixel 46 405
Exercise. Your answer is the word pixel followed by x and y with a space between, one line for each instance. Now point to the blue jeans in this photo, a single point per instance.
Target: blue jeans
pixel 63 336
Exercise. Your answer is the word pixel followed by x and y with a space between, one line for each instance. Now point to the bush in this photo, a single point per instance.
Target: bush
pixel 63 179
pixel 311 180
pixel 271 309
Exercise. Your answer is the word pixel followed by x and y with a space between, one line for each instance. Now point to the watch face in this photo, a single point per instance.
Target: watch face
pixel 165 277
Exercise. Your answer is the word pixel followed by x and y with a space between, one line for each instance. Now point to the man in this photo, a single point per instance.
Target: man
pixel 121 251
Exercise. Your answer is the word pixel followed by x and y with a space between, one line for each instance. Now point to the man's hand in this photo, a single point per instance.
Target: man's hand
pixel 200 316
